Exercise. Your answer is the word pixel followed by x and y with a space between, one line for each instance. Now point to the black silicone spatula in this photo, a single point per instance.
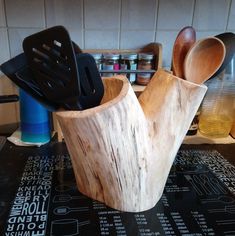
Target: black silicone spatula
pixel 17 71
pixel 69 79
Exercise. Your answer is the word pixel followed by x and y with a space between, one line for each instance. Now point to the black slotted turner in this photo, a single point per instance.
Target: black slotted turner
pixel 69 79
pixel 17 70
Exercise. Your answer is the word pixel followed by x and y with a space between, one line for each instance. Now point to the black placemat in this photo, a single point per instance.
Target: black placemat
pixel 198 198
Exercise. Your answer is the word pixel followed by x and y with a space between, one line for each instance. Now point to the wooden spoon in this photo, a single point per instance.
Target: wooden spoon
pixel 184 40
pixel 228 39
pixel 203 59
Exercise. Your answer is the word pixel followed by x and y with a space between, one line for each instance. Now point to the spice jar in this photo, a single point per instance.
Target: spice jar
pixel 98 60
pixel 129 62
pixel 194 124
pixel 110 62
pixel 145 62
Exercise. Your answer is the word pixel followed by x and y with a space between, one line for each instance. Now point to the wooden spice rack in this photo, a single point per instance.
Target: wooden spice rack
pixel 154 48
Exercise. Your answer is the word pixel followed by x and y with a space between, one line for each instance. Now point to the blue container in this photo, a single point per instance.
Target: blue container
pixel 34 120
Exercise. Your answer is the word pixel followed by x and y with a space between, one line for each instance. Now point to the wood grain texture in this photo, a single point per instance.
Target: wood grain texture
pixel 183 42
pixel 122 150
pixel 203 59
pixel 232 132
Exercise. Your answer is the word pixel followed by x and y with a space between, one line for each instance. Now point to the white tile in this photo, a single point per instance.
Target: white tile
pixel 77 37
pixel 2 14
pixel 16 37
pixel 97 39
pixel 231 19
pixel 136 39
pixel 211 14
pixel 205 34
pixel 4 46
pixel 138 14
pixel 167 39
pixel 25 13
pixel 63 12
pixel 174 15
pixel 102 14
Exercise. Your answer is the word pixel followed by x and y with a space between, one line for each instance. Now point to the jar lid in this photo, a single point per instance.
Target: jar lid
pixel 129 56
pixel 112 56
pixel 146 56
pixel 97 56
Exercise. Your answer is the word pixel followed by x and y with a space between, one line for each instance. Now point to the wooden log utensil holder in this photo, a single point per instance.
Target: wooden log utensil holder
pixel 122 150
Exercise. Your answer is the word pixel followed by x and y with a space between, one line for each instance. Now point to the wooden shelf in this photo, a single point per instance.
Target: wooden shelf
pixel 154 47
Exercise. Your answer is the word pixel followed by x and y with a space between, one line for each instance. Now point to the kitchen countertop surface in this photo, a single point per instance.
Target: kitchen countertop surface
pixel 38 196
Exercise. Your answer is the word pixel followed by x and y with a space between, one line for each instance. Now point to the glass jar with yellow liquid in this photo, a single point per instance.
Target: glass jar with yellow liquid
pixel 217 111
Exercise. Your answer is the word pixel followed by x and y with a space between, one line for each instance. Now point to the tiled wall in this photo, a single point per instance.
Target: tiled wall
pixel 107 24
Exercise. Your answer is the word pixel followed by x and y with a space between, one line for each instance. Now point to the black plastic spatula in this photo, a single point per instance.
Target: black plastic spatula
pixel 17 70
pixel 69 79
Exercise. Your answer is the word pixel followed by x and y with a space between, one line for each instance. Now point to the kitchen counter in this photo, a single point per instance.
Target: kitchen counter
pixel 38 196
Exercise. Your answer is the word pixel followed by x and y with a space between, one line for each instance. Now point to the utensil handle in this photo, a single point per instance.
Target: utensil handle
pixel 9 98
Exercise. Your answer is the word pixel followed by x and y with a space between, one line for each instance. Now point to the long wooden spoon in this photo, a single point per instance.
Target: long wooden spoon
pixel 203 59
pixel 183 42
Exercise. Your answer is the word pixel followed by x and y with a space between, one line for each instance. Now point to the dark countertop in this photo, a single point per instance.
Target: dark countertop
pixel 38 196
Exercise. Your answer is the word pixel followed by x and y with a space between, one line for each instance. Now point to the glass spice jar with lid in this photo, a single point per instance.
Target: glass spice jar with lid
pixel 98 60
pixel 129 62
pixel 145 62
pixel 110 62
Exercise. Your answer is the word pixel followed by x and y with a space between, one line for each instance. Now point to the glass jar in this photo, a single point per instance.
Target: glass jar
pixel 129 62
pixel 217 113
pixel 145 62
pixel 110 62
pixel 194 125
pixel 98 60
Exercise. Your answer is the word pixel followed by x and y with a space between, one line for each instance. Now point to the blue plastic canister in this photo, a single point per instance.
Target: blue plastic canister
pixel 34 120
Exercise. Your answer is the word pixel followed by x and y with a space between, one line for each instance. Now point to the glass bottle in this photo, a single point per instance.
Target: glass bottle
pixel 98 60
pixel 145 62
pixel 129 62
pixel 110 62
pixel 217 113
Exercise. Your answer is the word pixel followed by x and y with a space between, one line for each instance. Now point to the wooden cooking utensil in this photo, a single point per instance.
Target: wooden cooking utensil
pixel 228 39
pixel 203 59
pixel 184 40
pixel 95 148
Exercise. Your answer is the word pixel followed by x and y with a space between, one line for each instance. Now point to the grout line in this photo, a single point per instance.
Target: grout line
pixel 7 28
pixel 194 6
pixel 5 12
pixel 45 14
pixel 120 24
pixel 156 19
pixel 83 24
pixel 229 11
